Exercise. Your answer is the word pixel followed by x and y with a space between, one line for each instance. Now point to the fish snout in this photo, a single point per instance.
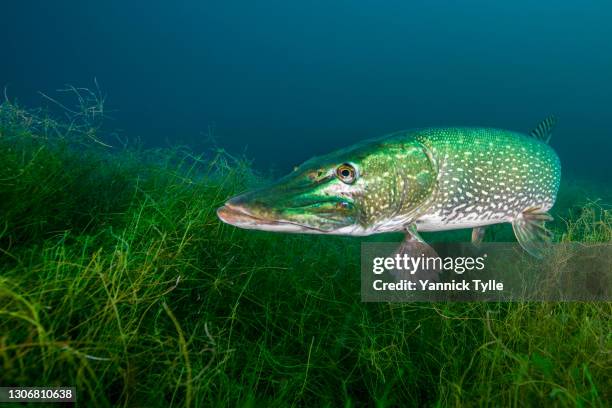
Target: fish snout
pixel 243 209
pixel 233 213
pixel 239 200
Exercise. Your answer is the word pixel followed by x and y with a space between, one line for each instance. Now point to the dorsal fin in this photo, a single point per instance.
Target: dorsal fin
pixel 543 131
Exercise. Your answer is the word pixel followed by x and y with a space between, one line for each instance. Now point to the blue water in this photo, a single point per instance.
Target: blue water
pixel 281 81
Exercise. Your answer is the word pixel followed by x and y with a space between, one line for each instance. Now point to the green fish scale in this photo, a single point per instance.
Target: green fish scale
pixel 487 175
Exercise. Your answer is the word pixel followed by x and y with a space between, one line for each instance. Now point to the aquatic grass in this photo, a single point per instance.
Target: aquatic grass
pixel 117 278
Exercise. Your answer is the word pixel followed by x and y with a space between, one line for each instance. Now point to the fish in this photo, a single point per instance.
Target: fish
pixel 428 179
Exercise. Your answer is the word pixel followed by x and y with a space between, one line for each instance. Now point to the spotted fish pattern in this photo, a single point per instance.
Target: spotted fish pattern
pixel 488 176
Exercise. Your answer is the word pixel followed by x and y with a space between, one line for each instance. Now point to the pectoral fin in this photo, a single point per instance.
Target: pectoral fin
pixel 477 235
pixel 414 246
pixel 412 234
pixel 531 232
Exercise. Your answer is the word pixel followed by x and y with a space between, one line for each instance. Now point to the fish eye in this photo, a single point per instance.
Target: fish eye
pixel 346 173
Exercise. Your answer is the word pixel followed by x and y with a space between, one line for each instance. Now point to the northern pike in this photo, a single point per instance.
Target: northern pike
pixel 431 179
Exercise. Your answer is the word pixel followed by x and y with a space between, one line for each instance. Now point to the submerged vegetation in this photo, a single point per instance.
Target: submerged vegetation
pixel 117 278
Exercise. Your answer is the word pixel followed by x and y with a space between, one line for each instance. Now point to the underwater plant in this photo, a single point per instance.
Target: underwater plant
pixel 117 278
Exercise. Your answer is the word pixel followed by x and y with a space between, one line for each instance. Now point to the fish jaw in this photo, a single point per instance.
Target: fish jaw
pixel 289 206
pixel 242 217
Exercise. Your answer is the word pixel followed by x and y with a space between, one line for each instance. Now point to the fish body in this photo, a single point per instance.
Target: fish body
pixel 487 176
pixel 430 179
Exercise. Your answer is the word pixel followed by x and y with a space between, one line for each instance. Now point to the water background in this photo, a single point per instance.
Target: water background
pixel 284 80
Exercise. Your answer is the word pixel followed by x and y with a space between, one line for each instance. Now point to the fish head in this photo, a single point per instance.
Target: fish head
pixel 348 192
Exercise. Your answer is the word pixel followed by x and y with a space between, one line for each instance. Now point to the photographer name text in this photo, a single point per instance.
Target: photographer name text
pixel 427 285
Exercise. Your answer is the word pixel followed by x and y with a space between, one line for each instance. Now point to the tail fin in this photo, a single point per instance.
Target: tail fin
pixel 543 131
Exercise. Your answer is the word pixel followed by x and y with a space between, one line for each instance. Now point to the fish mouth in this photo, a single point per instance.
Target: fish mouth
pixel 240 216
pixel 237 214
